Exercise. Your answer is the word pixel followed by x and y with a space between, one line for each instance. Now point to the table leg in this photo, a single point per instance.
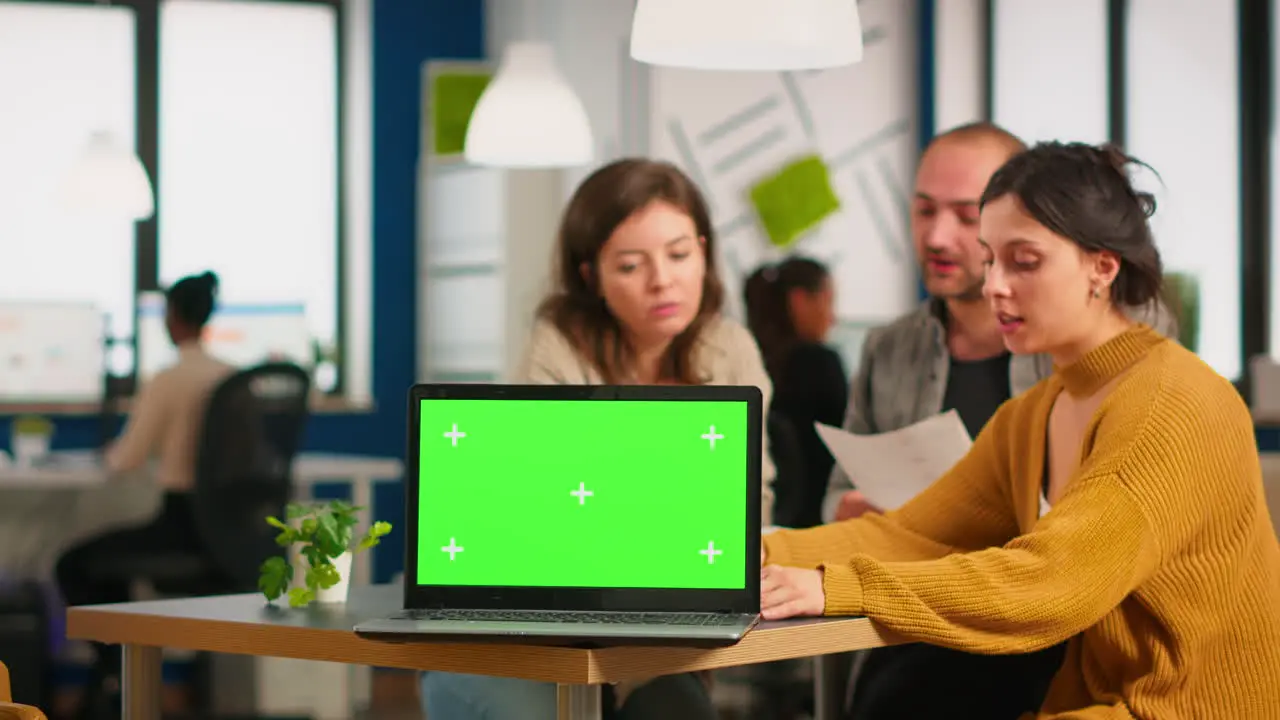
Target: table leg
pixel 826 693
pixel 141 683
pixel 578 702
pixel 362 496
pixel 360 677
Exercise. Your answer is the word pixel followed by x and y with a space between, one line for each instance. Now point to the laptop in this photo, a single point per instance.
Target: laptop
pixel 580 515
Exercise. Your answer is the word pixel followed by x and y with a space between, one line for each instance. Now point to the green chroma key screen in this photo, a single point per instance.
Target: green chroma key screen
pixel 588 493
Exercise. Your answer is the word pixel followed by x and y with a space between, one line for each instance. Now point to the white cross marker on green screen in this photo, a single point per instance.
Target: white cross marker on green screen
pixel 582 493
pixel 452 548
pixel 454 435
pixel 711 552
pixel 713 436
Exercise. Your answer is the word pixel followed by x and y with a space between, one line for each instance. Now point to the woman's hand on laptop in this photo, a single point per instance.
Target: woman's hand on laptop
pixel 790 592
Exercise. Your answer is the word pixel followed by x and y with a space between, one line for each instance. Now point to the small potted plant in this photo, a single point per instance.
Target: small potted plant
pixel 320 537
pixel 31 438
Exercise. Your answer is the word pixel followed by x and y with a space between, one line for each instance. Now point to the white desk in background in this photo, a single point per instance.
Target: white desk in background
pixel 48 507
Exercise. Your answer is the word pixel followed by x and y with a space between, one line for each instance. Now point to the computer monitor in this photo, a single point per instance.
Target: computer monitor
pixel 51 351
pixel 583 491
pixel 240 334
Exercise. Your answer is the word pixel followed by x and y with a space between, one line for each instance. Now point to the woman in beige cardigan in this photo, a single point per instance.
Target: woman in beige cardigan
pixel 637 300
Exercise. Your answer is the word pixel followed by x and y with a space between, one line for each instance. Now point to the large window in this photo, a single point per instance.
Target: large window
pixel 1049 69
pixel 66 72
pixel 249 153
pixel 236 110
pixel 1183 119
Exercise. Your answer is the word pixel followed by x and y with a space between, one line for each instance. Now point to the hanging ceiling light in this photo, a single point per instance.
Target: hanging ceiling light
pixel 529 116
pixel 109 179
pixel 747 34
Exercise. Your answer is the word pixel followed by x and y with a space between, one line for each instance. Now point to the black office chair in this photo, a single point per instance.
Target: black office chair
pixel 252 430
pixel 244 469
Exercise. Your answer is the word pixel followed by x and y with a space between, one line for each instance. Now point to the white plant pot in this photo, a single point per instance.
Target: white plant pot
pixel 28 448
pixel 339 592
pixel 336 594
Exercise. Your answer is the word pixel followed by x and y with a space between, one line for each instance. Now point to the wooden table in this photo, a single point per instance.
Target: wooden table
pixel 245 624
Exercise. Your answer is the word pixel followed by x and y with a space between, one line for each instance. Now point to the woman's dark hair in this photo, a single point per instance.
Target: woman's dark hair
pixel 192 299
pixel 576 307
pixel 766 293
pixel 1084 193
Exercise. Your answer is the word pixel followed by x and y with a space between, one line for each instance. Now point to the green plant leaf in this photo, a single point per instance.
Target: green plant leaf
pixel 314 555
pixel 275 522
pixel 274 576
pixel 286 537
pixel 307 530
pixel 301 597
pixel 293 511
pixel 375 534
pixel 323 576
pixel 330 537
pixel 340 507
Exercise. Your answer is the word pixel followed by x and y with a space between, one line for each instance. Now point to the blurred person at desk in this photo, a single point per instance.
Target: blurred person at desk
pixel 164 422
pixel 637 301
pixel 790 311
pixel 1079 513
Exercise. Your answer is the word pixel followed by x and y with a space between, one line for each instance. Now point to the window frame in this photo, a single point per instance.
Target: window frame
pixel 147 138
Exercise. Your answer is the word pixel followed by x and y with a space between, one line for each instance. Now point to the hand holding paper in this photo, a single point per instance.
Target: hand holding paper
pixel 893 467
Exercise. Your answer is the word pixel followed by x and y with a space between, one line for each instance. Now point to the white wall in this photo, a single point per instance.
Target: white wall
pixel 959 62
pixel 1184 120
pixel 1050 69
pixel 862 120
pixel 730 129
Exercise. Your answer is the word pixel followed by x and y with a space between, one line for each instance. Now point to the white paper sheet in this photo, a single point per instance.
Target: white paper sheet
pixel 893 467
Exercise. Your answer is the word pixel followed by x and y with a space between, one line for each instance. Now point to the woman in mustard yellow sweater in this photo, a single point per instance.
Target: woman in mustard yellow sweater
pixel 1118 504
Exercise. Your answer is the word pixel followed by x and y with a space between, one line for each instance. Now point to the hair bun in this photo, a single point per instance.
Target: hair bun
pixel 1113 157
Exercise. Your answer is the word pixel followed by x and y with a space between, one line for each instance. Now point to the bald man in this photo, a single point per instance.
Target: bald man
pixel 946 355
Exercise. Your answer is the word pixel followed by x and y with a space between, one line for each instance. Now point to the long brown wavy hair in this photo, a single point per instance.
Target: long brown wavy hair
pixel 576 306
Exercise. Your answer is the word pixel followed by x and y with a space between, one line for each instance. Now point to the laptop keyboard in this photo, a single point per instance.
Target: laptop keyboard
pixel 610 618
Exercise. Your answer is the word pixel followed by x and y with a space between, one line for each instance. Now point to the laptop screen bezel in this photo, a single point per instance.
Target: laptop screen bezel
pixel 743 600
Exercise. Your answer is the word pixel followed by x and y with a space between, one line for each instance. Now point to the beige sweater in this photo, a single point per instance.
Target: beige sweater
pixel 727 356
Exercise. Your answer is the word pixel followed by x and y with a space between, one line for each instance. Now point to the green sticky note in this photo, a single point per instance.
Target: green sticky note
pixel 454 98
pixel 794 199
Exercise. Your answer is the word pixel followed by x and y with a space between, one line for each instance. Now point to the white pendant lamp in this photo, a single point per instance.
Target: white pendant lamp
pixel 109 180
pixel 529 116
pixel 747 34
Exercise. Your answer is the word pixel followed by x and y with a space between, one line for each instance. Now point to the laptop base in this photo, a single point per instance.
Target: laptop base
pixel 577 635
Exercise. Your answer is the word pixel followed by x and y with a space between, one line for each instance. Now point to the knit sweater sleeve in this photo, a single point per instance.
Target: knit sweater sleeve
pixel 1103 539
pixel 968 508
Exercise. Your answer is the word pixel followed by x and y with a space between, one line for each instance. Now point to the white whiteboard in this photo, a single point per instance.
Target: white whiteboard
pixel 51 351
